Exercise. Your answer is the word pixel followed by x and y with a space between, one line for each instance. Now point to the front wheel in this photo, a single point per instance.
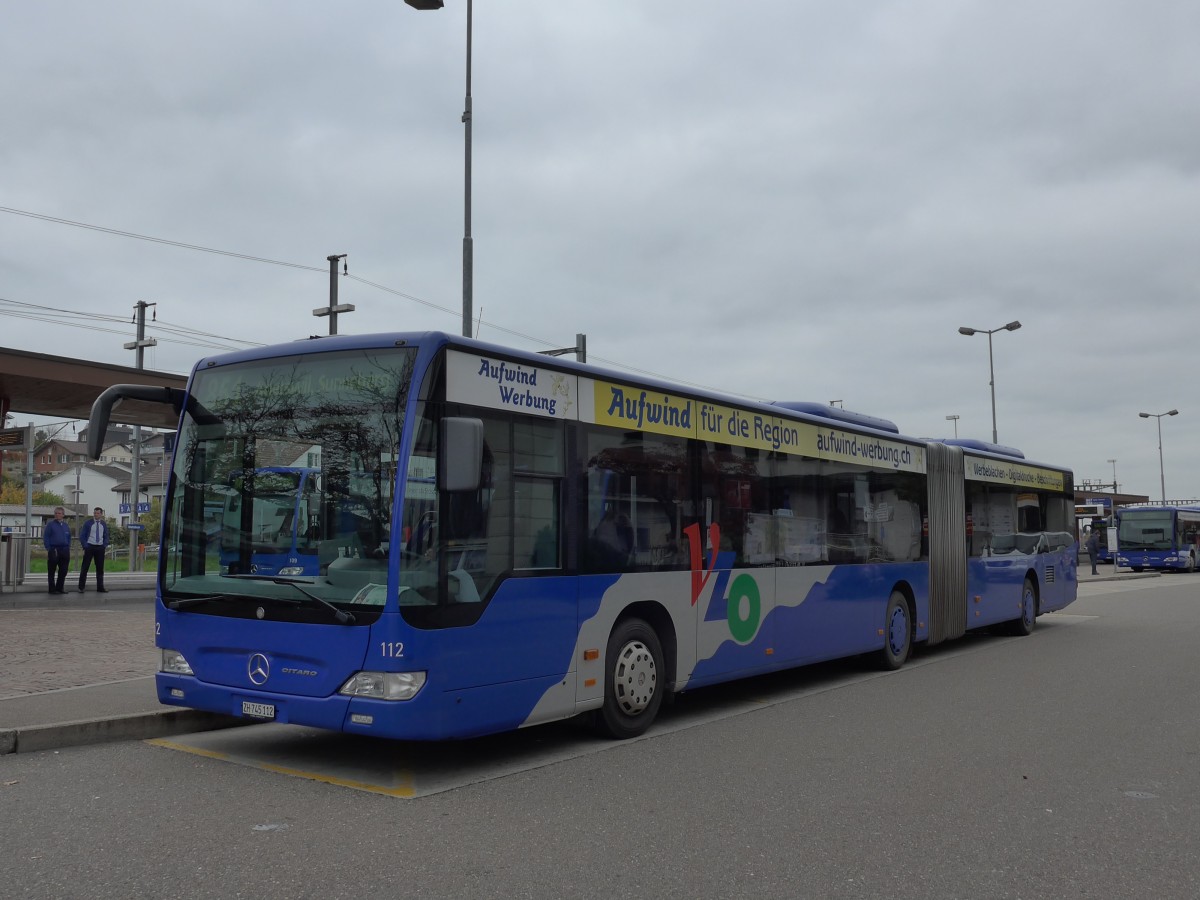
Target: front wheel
pixel 634 682
pixel 897 633
pixel 1024 623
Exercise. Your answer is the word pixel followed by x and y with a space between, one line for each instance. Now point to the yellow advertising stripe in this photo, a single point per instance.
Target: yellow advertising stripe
pixel 626 407
pixel 1016 474
pixel 622 406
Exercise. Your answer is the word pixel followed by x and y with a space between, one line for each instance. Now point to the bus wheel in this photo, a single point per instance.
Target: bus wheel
pixel 634 683
pixel 1023 624
pixel 1191 563
pixel 897 633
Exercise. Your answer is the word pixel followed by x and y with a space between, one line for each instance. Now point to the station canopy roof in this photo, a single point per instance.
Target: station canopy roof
pixel 62 387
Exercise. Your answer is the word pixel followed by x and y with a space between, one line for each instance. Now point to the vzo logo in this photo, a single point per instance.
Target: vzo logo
pixel 742 605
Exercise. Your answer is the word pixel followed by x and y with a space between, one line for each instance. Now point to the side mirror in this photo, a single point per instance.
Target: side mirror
pixel 103 405
pixel 461 454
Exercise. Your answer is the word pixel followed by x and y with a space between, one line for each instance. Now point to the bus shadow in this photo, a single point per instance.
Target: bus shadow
pixel 410 769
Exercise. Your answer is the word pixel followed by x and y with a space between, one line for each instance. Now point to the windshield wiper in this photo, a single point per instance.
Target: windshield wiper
pixel 343 617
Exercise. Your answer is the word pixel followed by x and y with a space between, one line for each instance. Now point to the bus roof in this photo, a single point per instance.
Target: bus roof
pixel 816 413
pixel 985 446
pixel 1188 505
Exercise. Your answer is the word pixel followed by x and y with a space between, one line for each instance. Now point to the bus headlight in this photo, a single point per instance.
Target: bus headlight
pixel 292 570
pixel 173 663
pixel 384 685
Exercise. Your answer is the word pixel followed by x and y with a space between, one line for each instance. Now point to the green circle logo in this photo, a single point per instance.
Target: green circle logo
pixel 742 627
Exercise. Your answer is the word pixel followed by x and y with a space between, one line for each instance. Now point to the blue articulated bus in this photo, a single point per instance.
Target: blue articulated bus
pixel 504 539
pixel 1151 536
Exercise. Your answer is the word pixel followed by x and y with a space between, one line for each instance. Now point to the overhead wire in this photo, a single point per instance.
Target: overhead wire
pixel 40 316
pixel 324 271
pixel 157 240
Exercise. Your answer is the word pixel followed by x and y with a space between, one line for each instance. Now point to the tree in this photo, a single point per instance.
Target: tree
pixel 13 492
pixel 151 523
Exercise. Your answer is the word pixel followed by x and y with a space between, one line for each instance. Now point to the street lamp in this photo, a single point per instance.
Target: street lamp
pixel 468 246
pixel 954 419
pixel 1162 478
pixel 1011 326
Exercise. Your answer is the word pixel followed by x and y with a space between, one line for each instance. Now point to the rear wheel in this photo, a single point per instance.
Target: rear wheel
pixel 897 633
pixel 634 682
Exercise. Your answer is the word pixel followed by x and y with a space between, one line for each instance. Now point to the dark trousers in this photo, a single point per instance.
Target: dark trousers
pixel 57 559
pixel 92 552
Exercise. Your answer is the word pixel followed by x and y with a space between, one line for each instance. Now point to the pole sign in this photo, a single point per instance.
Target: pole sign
pixel 14 438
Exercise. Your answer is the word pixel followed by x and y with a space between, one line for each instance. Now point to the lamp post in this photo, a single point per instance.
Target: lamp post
pixel 1011 326
pixel 468 246
pixel 1162 477
pixel 580 349
pixel 954 419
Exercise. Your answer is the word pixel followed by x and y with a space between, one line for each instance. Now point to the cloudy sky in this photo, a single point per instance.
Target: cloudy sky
pixel 780 199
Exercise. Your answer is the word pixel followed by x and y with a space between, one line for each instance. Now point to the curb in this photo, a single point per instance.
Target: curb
pixel 133 727
pixel 35 583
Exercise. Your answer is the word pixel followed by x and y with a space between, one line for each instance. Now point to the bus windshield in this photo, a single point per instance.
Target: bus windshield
pixel 1145 530
pixel 284 472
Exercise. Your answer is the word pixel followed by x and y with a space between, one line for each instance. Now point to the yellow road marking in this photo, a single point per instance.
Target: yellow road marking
pixel 404 782
pixel 172 745
pixel 405 791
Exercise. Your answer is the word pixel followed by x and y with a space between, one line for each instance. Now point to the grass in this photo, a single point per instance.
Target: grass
pixel 117 563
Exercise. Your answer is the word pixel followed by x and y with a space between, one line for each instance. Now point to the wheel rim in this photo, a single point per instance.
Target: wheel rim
pixel 635 678
pixel 1028 607
pixel 898 631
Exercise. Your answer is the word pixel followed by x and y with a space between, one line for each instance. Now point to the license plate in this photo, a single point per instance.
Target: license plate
pixel 258 710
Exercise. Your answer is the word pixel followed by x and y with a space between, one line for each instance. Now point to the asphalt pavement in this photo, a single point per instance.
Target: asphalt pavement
pixel 79 668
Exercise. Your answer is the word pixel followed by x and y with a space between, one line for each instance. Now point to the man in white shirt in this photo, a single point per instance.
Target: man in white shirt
pixel 94 536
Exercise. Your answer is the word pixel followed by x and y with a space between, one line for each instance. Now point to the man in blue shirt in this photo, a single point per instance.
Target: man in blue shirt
pixel 56 537
pixel 94 538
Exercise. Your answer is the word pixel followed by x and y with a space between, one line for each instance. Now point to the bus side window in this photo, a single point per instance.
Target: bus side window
pixel 638 497
pixel 539 451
